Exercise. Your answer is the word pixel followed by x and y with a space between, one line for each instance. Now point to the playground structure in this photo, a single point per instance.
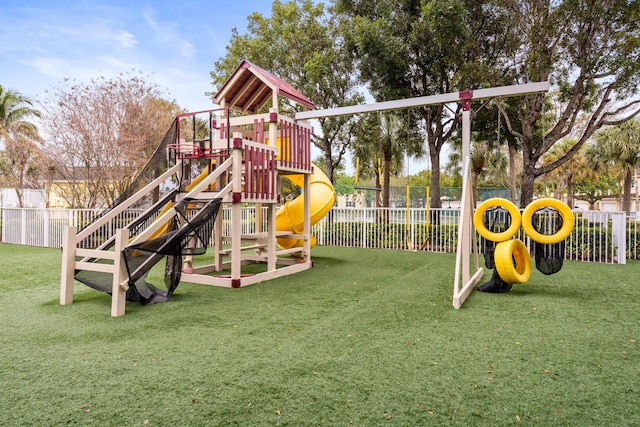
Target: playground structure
pixel 244 157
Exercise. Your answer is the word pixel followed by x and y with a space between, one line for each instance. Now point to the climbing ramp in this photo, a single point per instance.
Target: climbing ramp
pixel 188 234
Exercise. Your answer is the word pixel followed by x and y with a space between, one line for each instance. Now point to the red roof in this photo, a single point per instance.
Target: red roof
pixel 250 87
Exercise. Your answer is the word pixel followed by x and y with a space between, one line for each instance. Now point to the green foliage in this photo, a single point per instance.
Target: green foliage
pixel 617 148
pixel 595 75
pixel 411 49
pixel 422 178
pixel 301 44
pixel 344 184
pixel 591 242
pixel 19 151
pixel 596 187
pixel 16 116
pixel 633 239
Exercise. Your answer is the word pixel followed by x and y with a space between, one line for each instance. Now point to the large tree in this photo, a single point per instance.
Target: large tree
pixel 417 48
pixel 101 133
pixel 301 44
pixel 19 138
pixel 590 51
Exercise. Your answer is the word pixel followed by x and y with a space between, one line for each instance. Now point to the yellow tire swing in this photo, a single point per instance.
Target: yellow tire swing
pixel 513 262
pixel 568 221
pixel 511 256
pixel 496 202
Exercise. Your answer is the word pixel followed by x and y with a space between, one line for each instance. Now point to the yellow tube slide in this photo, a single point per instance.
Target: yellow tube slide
pixel 290 217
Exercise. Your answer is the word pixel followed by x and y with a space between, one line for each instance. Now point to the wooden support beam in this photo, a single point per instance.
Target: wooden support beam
pixel 423 101
pixel 118 293
pixel 69 243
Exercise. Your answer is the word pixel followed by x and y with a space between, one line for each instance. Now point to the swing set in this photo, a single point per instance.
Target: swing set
pixel 467 250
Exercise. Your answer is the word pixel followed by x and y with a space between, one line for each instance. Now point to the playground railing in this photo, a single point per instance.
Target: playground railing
pixel 603 237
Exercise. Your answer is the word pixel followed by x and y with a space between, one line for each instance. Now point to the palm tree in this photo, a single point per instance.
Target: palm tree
pixel 18 135
pixel 366 153
pixel 574 171
pixel 381 143
pixel 619 146
pixel 487 160
pixel 16 111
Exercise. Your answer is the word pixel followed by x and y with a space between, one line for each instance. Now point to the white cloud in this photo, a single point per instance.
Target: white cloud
pixel 166 33
pixel 150 20
pixel 41 43
pixel 126 39
pixel 47 65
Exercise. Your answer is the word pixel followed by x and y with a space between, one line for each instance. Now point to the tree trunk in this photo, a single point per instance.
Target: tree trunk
pixel 474 189
pixel 526 188
pixel 434 188
pixel 19 195
pixel 378 190
pixel 329 164
pixel 626 198
pixel 570 191
pixel 386 182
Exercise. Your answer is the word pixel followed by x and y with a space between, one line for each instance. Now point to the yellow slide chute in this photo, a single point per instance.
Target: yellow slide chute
pixel 290 217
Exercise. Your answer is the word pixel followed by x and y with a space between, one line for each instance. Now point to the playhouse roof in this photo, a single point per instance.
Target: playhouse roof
pixel 250 87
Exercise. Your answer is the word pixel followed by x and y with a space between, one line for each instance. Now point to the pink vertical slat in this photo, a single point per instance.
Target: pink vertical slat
pixel 297 147
pixel 248 175
pixel 272 164
pixel 258 173
pixel 308 146
pixel 283 138
pixel 255 129
pixel 294 143
pixel 265 171
pixel 285 141
pixel 262 139
pixel 265 179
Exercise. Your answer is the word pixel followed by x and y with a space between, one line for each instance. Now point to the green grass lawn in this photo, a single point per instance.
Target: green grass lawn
pixel 366 337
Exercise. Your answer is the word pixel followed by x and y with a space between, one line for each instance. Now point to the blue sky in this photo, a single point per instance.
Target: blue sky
pixel 176 42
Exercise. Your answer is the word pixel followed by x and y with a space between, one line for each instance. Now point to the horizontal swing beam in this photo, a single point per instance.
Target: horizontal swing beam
pixel 422 101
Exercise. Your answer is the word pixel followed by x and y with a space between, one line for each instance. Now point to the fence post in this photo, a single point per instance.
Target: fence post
pixel 46 231
pixel 618 230
pixel 23 227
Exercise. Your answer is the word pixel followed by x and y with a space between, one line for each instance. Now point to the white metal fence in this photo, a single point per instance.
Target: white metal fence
pixel 30 198
pixel 605 237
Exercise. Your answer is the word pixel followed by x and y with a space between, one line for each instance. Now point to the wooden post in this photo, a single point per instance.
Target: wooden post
pixel 273 129
pixel 307 218
pixel 464 282
pixel 118 293
pixel 236 214
pixel 68 265
pixel 217 240
pixel 466 202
